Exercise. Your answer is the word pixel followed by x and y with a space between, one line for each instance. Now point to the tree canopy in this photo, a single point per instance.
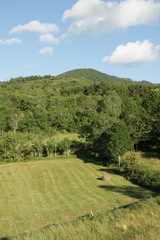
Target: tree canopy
pixel 97 110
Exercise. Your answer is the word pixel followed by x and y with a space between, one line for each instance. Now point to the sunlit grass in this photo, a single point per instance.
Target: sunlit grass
pixel 60 136
pixel 37 194
pixel 151 159
pixel 137 222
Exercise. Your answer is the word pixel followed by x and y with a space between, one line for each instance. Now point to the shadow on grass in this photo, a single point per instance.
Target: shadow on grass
pixel 134 192
pixel 151 154
pixel 89 158
pixel 112 170
pixel 5 238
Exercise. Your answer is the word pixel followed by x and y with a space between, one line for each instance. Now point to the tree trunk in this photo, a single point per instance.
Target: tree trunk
pixel 119 160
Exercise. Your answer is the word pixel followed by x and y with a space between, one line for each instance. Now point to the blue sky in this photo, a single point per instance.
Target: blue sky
pixel 42 37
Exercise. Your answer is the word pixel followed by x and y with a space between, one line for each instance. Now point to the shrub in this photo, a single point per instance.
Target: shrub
pixel 140 174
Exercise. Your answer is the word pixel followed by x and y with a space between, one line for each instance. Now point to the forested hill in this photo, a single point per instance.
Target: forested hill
pixel 83 74
pixel 93 74
pixel 47 104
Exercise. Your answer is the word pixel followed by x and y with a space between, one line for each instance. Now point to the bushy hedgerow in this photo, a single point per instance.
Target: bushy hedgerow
pixel 18 147
pixel 140 174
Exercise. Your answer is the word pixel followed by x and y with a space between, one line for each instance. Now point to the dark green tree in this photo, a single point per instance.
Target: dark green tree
pixel 135 117
pixel 119 141
pixel 113 144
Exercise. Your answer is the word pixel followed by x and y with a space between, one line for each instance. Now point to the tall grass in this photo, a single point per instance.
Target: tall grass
pixel 137 222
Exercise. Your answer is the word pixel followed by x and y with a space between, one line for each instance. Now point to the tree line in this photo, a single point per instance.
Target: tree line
pixel 111 117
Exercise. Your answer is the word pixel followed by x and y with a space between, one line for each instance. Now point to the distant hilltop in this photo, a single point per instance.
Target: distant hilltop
pixel 93 74
pixel 81 73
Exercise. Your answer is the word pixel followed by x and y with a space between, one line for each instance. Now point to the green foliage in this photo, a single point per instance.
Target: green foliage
pixel 152 105
pixel 9 147
pixel 80 101
pixel 135 117
pixel 19 146
pixel 114 143
pixel 64 146
pixel 100 117
pixel 141 175
pixel 93 75
pixel 119 141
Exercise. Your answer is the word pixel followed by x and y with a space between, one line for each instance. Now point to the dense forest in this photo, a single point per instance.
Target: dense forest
pixel 112 115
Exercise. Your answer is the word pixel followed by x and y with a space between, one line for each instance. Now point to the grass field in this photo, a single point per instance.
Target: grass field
pixel 136 222
pixel 150 159
pixel 37 194
pixel 60 136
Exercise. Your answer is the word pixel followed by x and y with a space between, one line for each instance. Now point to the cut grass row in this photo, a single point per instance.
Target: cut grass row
pixel 37 194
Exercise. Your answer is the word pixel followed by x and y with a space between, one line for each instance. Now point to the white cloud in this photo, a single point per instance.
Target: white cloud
pixel 36 26
pixel 134 53
pixel 81 8
pixel 48 38
pixel 97 16
pixel 46 50
pixel 9 41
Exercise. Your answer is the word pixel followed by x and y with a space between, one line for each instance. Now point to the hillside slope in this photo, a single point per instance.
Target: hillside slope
pixel 119 224
pixel 37 194
pixel 93 74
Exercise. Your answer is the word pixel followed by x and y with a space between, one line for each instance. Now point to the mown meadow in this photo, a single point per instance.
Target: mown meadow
pixel 39 193
pixel 137 222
